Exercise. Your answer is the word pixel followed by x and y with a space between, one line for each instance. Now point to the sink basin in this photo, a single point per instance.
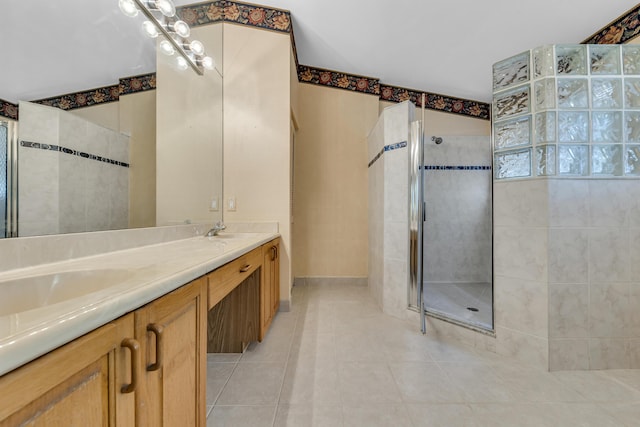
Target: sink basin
pixel 33 292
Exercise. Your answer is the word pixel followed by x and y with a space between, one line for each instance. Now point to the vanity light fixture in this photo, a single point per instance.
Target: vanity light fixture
pixel 167 48
pixel 150 29
pixel 162 19
pixel 128 7
pixel 196 47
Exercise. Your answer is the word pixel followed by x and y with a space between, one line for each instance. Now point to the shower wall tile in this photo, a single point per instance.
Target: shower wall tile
pixel 520 203
pixel 73 133
pixel 527 348
pixel 568 203
pixel 568 255
pixel 634 254
pixel 72 192
pixel 609 353
pixel 633 349
pixel 609 256
pixel 396 185
pixel 610 202
pixel 396 236
pixel 522 305
pixel 394 292
pixel 568 354
pixel 609 310
pixel 521 253
pixel 568 311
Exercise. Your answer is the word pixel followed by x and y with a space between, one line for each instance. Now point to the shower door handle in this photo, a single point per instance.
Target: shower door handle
pixel 424 212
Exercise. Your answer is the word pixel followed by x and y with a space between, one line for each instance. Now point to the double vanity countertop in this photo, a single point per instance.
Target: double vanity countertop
pixel 44 307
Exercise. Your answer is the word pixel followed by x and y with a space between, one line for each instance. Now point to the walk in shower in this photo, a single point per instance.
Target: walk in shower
pixel 457 229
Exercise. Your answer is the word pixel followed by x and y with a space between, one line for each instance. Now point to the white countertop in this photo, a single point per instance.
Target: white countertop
pixel 139 276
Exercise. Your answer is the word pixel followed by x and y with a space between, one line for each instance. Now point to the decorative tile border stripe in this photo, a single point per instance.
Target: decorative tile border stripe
pixel 338 80
pixel 389 147
pixel 618 31
pixel 87 98
pixel 240 13
pixel 135 84
pixel 8 109
pixel 456 168
pixel 437 102
pixel 396 146
pixel 65 150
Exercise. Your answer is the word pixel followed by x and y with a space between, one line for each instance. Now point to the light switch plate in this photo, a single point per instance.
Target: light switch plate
pixel 231 204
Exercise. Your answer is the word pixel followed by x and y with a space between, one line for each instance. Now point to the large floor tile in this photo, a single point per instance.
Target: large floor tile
pixel 367 382
pixel 217 376
pixel 256 383
pixel 311 381
pixel 309 416
pixel 440 415
pixel 478 382
pixel 241 416
pixel 598 387
pixel 376 415
pixel 425 382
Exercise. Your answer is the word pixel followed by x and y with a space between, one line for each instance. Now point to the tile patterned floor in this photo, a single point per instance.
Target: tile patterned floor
pixel 336 360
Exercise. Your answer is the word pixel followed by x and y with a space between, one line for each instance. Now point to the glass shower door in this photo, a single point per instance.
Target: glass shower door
pixel 457 230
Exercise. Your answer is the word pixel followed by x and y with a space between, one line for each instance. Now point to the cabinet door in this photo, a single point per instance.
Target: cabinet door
pixel 172 334
pixel 83 383
pixel 270 286
pixel 275 278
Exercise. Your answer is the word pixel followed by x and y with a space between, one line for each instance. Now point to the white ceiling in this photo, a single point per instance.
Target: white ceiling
pixel 54 47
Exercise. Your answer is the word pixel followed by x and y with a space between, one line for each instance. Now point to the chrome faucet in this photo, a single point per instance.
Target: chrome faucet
pixel 217 227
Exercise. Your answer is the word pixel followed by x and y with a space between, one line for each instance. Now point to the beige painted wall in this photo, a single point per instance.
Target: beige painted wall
pixel 438 123
pixel 330 182
pixel 188 139
pixel 138 120
pixel 107 115
pixel 257 118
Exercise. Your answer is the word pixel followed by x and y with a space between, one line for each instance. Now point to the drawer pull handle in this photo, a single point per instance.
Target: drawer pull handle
pixel 274 253
pixel 157 331
pixel 245 268
pixel 134 347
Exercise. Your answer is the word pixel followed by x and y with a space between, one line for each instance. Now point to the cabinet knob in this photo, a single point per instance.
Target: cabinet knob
pixel 245 268
pixel 157 330
pixel 134 348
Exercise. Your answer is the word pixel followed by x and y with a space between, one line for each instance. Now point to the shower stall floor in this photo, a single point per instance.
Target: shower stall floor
pixel 464 302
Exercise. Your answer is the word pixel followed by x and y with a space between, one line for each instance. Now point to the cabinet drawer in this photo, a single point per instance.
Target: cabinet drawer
pixel 223 280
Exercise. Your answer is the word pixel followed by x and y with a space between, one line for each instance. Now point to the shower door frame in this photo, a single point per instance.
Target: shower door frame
pixel 11 207
pixel 417 207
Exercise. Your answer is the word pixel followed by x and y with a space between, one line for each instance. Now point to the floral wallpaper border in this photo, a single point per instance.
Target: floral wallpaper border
pixel 236 12
pixel 620 30
pixel 8 109
pixel 135 84
pixel 438 102
pixel 338 80
pixel 369 85
pixel 86 98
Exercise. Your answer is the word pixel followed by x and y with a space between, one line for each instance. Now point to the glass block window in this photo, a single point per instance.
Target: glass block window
pixel 512 71
pixel 513 133
pixel 513 164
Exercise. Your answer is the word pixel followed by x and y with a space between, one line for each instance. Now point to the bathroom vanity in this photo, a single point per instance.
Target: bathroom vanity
pixel 134 353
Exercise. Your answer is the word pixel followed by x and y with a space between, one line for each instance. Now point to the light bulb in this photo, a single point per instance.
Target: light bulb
pixel 128 7
pixel 181 28
pixel 182 63
pixel 197 47
pixel 150 29
pixel 166 48
pixel 166 7
pixel 208 63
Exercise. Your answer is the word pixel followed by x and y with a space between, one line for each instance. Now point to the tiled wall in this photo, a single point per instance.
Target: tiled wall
pixel 73 174
pixel 594 274
pixel 388 208
pixel 566 288
pixel 457 189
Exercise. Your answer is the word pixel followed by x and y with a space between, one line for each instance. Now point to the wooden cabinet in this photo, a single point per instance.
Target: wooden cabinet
pixel 172 334
pixel 234 304
pixel 88 382
pixel 147 368
pixel 270 285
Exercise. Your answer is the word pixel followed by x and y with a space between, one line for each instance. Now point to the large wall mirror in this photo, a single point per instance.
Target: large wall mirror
pixel 110 134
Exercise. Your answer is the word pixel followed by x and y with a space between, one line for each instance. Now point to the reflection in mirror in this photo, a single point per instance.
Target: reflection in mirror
pixel 89 145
